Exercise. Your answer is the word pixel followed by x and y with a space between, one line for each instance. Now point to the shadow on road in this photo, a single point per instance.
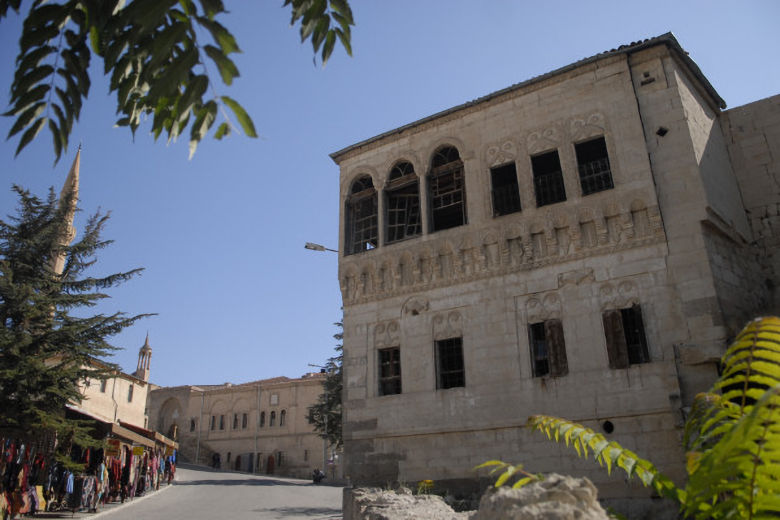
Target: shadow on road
pixel 320 512
pixel 241 482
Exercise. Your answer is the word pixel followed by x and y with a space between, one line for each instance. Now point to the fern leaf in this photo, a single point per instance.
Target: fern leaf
pixel 607 453
pixel 739 474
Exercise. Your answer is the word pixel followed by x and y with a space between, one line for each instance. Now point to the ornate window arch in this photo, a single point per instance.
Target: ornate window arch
pixel 402 203
pixel 446 189
pixel 361 220
pixel 282 417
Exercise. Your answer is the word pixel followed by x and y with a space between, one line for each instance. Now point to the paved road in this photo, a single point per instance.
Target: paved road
pixel 203 494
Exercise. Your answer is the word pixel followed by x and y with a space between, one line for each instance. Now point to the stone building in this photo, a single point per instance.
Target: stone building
pixel 582 244
pixel 260 427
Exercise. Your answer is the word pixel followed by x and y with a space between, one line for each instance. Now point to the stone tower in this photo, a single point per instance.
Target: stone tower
pixel 68 196
pixel 144 361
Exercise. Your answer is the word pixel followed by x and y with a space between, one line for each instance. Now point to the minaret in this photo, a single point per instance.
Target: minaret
pixel 70 196
pixel 144 361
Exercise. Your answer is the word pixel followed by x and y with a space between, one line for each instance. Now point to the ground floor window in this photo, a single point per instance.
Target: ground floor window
pixel 390 371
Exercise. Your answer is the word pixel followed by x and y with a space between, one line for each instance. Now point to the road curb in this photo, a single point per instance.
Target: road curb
pixel 110 508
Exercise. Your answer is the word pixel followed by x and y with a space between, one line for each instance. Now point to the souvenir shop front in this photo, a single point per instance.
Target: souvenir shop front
pixel 125 466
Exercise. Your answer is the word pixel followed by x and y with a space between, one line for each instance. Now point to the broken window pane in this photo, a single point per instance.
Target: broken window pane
pixel 390 371
pixel 361 217
pixel 447 189
pixel 450 370
pixel 593 164
pixel 403 203
pixel 506 193
pixel 548 179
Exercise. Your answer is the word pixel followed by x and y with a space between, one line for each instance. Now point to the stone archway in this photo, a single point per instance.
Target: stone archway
pixel 170 417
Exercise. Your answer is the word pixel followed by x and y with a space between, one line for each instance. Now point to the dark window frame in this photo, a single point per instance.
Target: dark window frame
pixel 130 391
pixel 403 218
pixel 504 189
pixel 625 336
pixel 235 421
pixel 361 217
pixel 192 425
pixel 103 385
pixel 547 349
pixel 221 422
pixel 244 421
pixel 446 185
pixel 450 364
pixel 282 418
pixel 593 165
pixel 549 186
pixel 389 371
pixel 262 419
pixel 272 419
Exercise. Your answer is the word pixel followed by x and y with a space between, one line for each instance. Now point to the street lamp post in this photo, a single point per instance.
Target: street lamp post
pixel 316 247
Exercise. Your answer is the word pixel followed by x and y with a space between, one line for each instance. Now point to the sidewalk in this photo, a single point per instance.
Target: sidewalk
pixel 103 508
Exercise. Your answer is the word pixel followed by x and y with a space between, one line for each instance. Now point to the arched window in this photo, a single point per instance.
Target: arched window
pixel 361 217
pixel 262 419
pixel 282 417
pixel 447 190
pixel 272 420
pixel 402 197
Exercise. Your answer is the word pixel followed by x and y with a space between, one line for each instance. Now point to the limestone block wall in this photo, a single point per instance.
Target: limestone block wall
pixel 112 401
pixel 191 408
pixel 753 136
pixel 488 280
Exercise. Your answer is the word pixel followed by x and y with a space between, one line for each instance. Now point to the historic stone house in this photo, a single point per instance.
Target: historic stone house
pixel 582 244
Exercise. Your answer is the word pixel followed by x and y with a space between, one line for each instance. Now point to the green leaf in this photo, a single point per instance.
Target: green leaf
pixel 34 76
pixel 227 69
pixel 170 80
pixel 31 60
pixel 30 134
pixel 212 7
pixel 29 98
pixel 243 118
pixel 37 37
pixel 25 117
pixel 222 131
pixel 221 35
pixel 56 136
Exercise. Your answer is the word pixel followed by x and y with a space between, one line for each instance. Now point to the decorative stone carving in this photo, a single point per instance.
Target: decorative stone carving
pixel 415 305
pixel 447 325
pixel 592 125
pixel 387 334
pixel 543 307
pixel 543 140
pixel 576 277
pixel 618 296
pixel 498 154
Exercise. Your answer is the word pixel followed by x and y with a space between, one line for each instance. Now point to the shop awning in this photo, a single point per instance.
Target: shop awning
pixel 129 435
pixel 149 434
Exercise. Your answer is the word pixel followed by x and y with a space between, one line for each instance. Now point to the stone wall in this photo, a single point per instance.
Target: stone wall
pixel 753 136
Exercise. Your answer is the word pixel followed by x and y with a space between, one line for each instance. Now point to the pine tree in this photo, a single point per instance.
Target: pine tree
pixel 327 409
pixel 46 344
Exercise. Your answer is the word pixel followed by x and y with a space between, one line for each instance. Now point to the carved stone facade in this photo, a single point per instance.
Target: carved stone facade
pixel 602 288
pixel 259 427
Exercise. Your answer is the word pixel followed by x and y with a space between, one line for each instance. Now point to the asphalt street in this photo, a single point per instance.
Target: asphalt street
pixel 205 494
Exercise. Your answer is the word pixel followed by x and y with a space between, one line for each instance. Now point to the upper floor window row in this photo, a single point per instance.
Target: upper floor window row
pixel 446 193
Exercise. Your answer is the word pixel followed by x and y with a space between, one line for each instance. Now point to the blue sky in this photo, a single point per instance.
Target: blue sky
pixel 221 236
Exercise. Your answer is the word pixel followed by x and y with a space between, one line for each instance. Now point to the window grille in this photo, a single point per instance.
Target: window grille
pixel 548 349
pixel 449 363
pixel 593 165
pixel 402 197
pixel 625 336
pixel 506 193
pixel 390 371
pixel 548 179
pixel 361 217
pixel 447 190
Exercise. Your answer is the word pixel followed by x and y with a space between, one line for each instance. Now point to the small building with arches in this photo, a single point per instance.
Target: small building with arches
pixel 582 244
pixel 258 427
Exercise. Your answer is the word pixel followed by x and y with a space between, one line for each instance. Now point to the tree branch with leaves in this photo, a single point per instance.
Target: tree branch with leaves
pixel 156 54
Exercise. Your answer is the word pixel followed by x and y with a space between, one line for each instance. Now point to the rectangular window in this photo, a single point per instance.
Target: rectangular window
pixel 235 421
pixel 279 459
pixel 593 164
pixel 447 198
pixel 221 422
pixel 213 421
pixel 506 193
pixel 305 455
pixel 390 371
pixel 363 223
pixel 130 394
pixel 244 421
pixel 192 425
pixel 548 349
pixel 450 371
pixel 103 384
pixel 548 179
pixel 625 335
pixel 403 212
